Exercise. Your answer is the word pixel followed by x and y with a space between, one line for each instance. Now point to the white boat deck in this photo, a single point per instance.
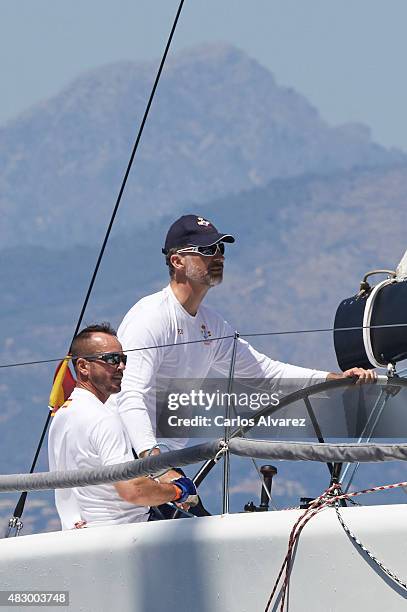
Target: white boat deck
pixel 221 563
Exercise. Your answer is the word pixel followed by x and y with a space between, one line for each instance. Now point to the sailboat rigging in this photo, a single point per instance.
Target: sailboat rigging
pixel 15 521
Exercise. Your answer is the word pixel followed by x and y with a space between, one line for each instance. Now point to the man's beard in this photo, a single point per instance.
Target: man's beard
pixel 214 278
pixel 210 277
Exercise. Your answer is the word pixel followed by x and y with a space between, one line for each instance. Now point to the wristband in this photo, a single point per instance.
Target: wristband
pixel 178 493
pixel 186 488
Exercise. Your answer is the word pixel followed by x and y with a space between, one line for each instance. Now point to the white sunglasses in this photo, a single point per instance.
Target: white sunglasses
pixel 206 251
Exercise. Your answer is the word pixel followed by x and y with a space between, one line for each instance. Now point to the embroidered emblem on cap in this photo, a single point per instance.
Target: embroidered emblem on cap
pixel 202 221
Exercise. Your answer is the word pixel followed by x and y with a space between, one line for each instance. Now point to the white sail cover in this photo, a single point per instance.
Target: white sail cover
pixel 290 451
pixel 308 451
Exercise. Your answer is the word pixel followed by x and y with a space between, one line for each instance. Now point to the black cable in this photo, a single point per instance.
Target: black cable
pixel 132 350
pixel 20 505
pixel 277 333
pixel 133 153
pixel 323 329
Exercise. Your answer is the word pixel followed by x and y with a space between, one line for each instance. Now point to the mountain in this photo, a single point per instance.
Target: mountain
pixel 302 244
pixel 219 125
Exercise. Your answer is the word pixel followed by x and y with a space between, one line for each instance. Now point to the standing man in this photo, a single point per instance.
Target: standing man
pixel 85 434
pixel 174 324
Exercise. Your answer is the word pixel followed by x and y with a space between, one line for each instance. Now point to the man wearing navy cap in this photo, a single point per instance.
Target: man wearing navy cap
pixel 176 327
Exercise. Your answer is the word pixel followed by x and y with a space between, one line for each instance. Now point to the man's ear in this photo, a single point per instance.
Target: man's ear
pixel 82 367
pixel 177 261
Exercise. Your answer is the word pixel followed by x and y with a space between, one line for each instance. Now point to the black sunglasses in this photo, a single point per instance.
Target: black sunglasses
pixel 207 251
pixel 110 358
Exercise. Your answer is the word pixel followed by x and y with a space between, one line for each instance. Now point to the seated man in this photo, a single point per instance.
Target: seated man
pixel 85 434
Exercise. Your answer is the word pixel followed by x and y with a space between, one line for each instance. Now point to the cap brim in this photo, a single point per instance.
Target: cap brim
pixel 209 239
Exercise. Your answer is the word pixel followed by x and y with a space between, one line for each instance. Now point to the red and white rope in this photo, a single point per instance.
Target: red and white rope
pixel 329 497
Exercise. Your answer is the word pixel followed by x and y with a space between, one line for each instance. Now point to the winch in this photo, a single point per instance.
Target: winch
pixel 371 326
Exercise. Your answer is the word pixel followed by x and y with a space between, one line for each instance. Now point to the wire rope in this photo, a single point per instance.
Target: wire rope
pixel 252 335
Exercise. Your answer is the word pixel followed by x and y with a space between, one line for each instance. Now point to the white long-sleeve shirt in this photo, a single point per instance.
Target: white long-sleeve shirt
pixel 159 320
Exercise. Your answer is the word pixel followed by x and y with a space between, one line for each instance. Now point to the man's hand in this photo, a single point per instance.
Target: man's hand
pixel 188 493
pixel 169 475
pixel 149 452
pixel 363 376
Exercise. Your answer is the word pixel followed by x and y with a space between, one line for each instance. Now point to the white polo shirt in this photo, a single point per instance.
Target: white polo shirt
pixel 84 433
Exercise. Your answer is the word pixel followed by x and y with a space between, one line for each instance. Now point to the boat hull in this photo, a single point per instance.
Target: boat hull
pixel 216 564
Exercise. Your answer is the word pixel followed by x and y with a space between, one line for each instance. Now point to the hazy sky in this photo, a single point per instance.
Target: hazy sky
pixel 347 57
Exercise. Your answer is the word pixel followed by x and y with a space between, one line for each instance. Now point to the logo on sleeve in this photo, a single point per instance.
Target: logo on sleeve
pixel 65 405
pixel 206 334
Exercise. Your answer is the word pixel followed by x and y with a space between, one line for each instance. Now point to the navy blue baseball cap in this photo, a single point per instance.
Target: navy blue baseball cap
pixel 191 230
